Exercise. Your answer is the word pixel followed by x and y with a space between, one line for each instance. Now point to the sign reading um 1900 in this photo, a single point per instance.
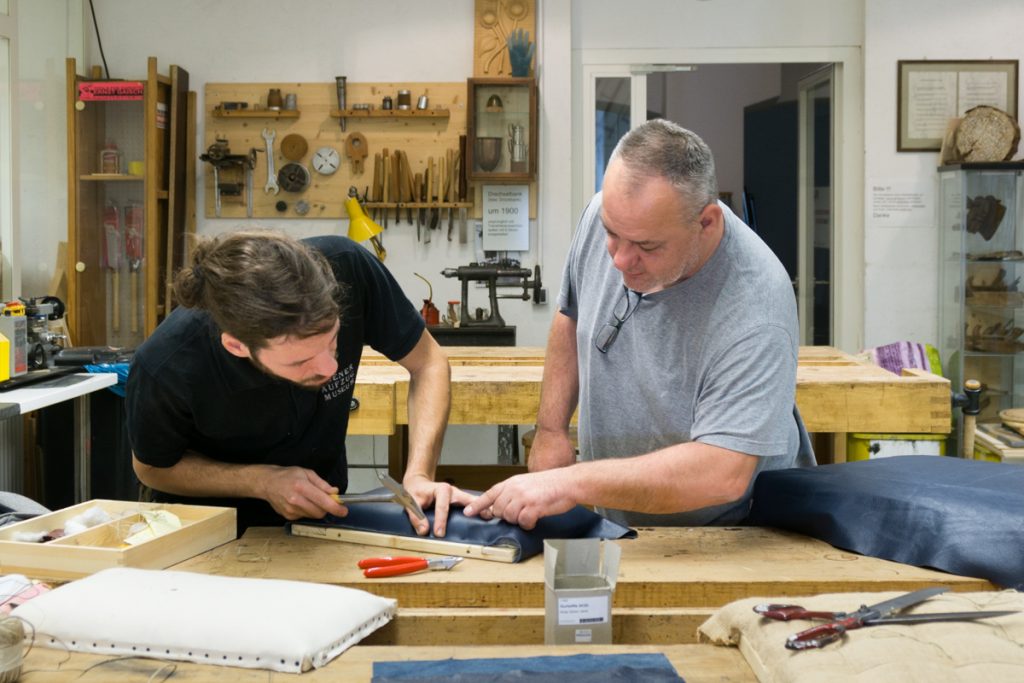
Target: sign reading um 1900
pixel 98 91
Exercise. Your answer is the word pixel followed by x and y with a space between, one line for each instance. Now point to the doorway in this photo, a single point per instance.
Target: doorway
pixel 712 99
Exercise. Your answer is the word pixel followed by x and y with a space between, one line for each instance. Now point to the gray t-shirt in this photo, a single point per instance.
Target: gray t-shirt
pixel 711 359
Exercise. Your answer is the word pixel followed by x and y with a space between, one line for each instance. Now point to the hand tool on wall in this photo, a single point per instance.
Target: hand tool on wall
pixel 113 236
pixel 250 171
pixel 356 149
pixel 385 186
pixel 225 166
pixel 396 183
pixel 463 228
pixel 396 493
pixel 417 183
pixel 340 83
pixel 885 612
pixel 410 189
pixel 435 212
pixel 404 184
pixel 382 567
pixel 134 224
pixel 376 194
pixel 428 179
pixel 271 187
pixel 449 190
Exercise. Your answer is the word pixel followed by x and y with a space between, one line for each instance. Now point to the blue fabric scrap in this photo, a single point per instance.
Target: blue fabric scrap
pixel 121 369
pixel 645 666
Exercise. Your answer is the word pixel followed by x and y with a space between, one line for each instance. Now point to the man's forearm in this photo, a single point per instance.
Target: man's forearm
pixel 560 387
pixel 199 476
pixel 429 405
pixel 679 478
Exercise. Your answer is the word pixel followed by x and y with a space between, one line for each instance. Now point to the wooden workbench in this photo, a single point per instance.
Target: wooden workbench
pixel 695 663
pixel 835 392
pixel 670 580
pixel 500 385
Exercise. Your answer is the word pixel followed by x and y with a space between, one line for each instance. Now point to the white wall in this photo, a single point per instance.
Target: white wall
pixel 613 24
pixel 52 30
pixel 901 280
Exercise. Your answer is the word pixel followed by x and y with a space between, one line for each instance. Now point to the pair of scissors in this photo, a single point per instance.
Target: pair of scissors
pixel 868 615
pixel 380 567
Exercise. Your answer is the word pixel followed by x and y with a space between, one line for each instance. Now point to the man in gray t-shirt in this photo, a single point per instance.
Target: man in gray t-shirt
pixel 677 337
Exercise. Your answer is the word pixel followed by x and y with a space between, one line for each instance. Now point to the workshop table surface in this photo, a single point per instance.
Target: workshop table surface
pixel 663 567
pixel 695 663
pixel 670 580
pixel 835 392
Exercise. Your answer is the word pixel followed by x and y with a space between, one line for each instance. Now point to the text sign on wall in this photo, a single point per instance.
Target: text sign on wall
pixel 506 217
pixel 101 91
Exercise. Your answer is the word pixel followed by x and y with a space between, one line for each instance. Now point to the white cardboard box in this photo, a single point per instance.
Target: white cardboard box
pixel 578 588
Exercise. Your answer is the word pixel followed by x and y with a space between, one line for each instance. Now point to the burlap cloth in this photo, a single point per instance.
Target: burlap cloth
pixel 984 651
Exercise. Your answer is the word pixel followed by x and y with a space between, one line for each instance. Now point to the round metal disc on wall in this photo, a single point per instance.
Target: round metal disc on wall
pixel 293 178
pixel 293 146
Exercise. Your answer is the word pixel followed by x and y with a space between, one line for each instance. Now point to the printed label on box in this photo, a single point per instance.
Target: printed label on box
pixel 592 610
pixel 584 635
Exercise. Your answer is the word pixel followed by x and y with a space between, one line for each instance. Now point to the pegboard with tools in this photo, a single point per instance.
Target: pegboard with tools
pixel 321 143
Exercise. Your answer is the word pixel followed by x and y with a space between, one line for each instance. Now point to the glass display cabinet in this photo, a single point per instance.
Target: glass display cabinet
pixel 501 124
pixel 127 197
pixel 981 263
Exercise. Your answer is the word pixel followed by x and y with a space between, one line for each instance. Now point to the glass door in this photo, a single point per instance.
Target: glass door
pixel 815 208
pixel 616 100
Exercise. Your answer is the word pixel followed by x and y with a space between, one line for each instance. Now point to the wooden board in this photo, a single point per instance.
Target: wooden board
pixel 417 544
pixel 664 567
pixel 695 663
pixel 419 137
pixel 525 626
pixel 102 546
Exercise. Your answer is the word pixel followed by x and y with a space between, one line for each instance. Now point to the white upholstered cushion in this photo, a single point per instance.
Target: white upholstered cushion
pixel 287 626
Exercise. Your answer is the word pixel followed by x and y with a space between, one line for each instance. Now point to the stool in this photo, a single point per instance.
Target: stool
pixel 528 441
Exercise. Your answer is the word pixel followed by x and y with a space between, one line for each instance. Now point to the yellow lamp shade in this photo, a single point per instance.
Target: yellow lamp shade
pixel 361 227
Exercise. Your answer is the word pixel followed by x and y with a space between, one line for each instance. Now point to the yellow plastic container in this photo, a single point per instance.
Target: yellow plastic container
pixel 871 446
pixel 5 358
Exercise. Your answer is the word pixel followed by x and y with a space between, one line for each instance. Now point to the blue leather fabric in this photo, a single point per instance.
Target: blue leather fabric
pixel 592 668
pixel 389 518
pixel 961 516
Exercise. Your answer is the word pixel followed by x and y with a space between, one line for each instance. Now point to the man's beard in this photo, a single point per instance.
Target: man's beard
pixel 309 383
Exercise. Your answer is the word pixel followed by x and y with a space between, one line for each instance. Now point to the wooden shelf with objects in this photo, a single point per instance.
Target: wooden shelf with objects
pixel 130 200
pixel 386 154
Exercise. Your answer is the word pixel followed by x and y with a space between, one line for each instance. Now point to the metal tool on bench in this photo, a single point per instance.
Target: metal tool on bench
pixel 868 615
pixel 43 343
pixel 496 275
pixel 396 493
pixel 381 567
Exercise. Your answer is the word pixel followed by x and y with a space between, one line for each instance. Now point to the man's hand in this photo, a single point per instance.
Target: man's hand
pixel 440 495
pixel 295 492
pixel 525 498
pixel 551 449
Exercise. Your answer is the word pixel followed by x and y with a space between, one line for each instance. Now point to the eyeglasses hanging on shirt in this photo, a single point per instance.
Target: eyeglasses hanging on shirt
pixel 607 335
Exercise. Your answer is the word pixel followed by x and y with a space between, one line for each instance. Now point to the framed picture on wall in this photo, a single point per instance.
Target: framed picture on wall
pixel 931 92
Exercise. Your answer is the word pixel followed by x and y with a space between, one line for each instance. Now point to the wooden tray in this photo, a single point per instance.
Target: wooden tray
pixel 100 547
